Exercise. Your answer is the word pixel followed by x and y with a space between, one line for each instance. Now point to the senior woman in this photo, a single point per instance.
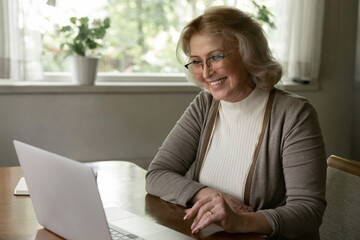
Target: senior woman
pixel 245 155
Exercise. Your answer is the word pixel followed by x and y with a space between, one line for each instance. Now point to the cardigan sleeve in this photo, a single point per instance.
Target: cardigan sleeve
pixel 166 174
pixel 303 162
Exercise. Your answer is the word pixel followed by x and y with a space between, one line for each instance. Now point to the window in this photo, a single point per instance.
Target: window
pixel 142 38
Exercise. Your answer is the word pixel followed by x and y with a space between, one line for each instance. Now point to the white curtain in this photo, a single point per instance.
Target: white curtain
pixel 4 40
pixel 298 36
pixel 20 41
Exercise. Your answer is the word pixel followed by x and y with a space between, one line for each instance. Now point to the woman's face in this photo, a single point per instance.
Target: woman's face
pixel 229 80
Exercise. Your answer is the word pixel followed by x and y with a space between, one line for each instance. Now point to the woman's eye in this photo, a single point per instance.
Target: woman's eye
pixel 217 57
pixel 197 62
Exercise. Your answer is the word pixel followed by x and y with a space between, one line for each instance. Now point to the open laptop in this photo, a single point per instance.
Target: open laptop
pixel 67 202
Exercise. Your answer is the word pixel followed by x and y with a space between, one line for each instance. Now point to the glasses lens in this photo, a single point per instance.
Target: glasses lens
pixel 216 61
pixel 195 67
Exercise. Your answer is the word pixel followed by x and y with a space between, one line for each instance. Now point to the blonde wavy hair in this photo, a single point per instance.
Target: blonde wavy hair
pixel 234 27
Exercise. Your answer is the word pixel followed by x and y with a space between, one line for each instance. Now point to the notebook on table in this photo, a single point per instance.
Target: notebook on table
pixel 66 201
pixel 21 188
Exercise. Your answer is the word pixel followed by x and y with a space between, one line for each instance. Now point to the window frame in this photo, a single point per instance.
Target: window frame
pixel 124 83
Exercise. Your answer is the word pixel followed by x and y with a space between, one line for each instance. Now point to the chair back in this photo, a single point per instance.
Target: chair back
pixel 342 215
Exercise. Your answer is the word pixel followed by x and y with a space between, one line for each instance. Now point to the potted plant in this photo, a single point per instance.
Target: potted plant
pixel 81 41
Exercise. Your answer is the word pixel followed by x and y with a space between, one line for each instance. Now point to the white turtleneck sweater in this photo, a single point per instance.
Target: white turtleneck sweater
pixel 232 144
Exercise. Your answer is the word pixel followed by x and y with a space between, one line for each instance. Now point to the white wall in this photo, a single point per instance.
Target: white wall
pixel 131 126
pixel 89 127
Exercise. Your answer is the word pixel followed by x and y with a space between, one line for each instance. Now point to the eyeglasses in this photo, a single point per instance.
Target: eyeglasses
pixel 213 62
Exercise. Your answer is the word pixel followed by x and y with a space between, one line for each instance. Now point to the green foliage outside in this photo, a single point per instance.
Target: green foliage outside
pixel 142 37
pixel 263 14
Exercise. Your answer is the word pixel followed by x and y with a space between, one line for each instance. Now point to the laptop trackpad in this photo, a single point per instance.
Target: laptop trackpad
pixel 148 230
pixel 166 235
pixel 115 213
pixel 138 226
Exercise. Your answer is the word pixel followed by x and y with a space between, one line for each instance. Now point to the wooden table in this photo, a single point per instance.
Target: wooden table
pixel 121 184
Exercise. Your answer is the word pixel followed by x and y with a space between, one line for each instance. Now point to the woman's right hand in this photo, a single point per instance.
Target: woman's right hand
pixel 226 210
pixel 214 208
pixel 236 205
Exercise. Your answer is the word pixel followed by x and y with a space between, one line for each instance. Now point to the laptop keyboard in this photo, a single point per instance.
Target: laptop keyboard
pixel 123 235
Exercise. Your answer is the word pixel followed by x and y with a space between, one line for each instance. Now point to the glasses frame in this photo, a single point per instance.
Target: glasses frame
pixel 209 60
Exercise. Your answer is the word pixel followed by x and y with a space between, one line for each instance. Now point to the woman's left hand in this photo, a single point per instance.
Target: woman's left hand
pixel 213 209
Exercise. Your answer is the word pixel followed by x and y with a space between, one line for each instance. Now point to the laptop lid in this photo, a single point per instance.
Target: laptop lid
pixel 64 194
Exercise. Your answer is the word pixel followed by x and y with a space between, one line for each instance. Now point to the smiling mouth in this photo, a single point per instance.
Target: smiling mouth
pixel 217 82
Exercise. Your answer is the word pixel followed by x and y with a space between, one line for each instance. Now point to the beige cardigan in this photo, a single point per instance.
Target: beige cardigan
pixel 287 184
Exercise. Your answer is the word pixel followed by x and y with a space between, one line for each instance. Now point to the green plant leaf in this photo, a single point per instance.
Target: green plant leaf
pixel 91 44
pixel 73 20
pixel 78 48
pixel 107 22
pixel 65 28
pixel 99 33
pixel 84 21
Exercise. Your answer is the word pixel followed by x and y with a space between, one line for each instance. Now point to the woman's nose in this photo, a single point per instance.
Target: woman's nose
pixel 207 71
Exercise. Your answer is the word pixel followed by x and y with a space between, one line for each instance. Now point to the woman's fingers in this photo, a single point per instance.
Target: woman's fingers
pixel 218 215
pixel 207 213
pixel 206 219
pixel 199 206
pixel 193 211
pixel 204 211
pixel 218 212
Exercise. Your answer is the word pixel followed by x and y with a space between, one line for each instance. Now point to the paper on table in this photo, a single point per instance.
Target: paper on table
pixel 21 188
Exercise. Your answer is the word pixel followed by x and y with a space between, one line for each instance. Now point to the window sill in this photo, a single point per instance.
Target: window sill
pixel 139 83
pixel 99 87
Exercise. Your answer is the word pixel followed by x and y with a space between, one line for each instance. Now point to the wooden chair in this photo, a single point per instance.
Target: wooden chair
pixel 342 215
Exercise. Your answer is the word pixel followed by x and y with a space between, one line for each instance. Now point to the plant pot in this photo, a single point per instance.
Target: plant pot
pixel 85 69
